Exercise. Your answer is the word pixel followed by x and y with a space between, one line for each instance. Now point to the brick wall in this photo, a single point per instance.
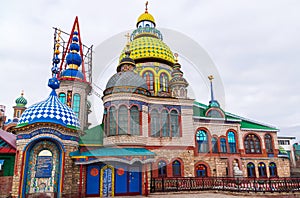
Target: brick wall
pixel 5 185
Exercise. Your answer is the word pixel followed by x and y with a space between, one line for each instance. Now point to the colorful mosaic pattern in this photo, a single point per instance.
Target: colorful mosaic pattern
pixel 52 111
pixel 34 184
pixel 149 47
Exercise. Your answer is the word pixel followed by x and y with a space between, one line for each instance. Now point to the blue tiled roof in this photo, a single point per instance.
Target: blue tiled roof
pixel 51 111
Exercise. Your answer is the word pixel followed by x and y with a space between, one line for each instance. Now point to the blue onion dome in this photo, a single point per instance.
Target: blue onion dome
pixel 21 101
pixel 51 110
pixel 126 82
pixel 73 60
pixel 72 73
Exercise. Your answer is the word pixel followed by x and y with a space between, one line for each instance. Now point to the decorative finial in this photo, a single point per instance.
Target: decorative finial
pixel 212 102
pixel 127 50
pixel 22 93
pixel 176 57
pixel 146 10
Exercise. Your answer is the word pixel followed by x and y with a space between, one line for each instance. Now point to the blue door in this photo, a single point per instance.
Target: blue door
pixel 134 179
pixel 92 183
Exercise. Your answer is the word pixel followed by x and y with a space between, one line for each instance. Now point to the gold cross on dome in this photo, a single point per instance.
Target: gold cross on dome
pixel 210 77
pixel 128 37
pixel 146 6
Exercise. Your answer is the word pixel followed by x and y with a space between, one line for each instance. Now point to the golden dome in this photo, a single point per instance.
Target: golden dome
pixel 146 17
pixel 147 47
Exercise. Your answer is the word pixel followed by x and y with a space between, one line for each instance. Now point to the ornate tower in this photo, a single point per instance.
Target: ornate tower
pixel 20 106
pixel 178 84
pixel 75 85
pixel 46 134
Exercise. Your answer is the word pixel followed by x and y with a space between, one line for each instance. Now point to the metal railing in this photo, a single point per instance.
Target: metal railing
pixel 285 184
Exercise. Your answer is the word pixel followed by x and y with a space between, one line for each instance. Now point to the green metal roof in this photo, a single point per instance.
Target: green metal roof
pixel 113 152
pixel 199 109
pixel 92 136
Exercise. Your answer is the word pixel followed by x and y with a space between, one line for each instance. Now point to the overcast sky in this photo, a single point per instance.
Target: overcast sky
pixel 255 45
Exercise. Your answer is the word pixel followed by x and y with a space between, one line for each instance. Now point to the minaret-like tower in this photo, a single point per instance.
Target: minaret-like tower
pixel 20 106
pixel 178 84
pixel 74 87
pixel 212 102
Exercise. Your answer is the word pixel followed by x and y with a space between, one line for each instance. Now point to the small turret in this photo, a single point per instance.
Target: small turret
pixel 178 84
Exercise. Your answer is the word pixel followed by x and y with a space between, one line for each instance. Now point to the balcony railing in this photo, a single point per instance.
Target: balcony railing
pixel 225 184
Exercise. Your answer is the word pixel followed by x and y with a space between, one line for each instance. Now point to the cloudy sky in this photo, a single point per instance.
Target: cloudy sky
pixel 255 45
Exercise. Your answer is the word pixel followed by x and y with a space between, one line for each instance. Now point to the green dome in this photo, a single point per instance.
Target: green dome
pixel 148 47
pixel 21 101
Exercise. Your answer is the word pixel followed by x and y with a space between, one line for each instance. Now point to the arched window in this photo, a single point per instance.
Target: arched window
pixel 76 104
pixel 223 145
pixel 252 144
pixel 273 169
pixel 164 82
pixel 174 123
pixel 62 97
pixel 231 142
pixel 134 121
pixel 162 169
pixel 214 144
pixel 262 170
pixel 112 114
pixel 154 123
pixel 176 167
pixel 201 171
pixel 268 143
pixel 201 138
pixel 122 120
pixel 165 123
pixel 251 169
pixel 149 78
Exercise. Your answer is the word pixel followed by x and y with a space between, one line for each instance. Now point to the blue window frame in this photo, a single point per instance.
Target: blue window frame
pixel 262 170
pixel 273 169
pixel 162 169
pixel 223 145
pixel 176 167
pixel 214 144
pixel 201 170
pixel 231 142
pixel 62 98
pixel 251 170
pixel 202 140
pixel 76 104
